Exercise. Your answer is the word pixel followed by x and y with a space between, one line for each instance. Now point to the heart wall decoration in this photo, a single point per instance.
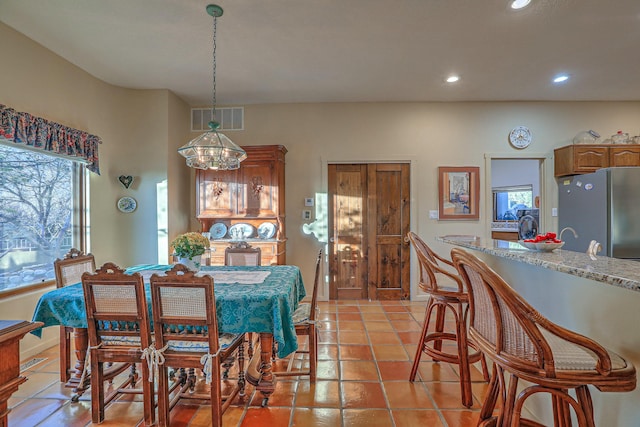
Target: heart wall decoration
pixel 125 180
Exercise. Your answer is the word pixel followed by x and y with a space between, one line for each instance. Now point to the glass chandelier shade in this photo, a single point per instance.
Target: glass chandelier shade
pixel 212 149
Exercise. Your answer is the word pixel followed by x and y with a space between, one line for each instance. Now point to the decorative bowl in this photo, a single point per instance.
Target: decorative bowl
pixel 541 246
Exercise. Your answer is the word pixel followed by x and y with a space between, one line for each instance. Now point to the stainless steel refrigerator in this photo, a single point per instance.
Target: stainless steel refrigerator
pixel 602 206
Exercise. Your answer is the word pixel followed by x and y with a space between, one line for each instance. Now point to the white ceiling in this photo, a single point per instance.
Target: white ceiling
pixel 279 51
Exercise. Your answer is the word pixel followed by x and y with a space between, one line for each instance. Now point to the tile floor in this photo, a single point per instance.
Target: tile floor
pixel 365 354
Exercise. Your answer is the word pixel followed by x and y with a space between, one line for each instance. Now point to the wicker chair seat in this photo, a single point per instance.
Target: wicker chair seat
pixel 568 356
pixel 302 313
pixel 224 340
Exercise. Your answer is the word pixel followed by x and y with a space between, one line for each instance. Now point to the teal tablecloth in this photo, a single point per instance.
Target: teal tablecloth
pixel 264 307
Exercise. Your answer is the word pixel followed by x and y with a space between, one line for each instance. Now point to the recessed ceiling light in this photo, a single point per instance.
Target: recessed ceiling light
pixel 519 4
pixel 561 78
pixel 453 79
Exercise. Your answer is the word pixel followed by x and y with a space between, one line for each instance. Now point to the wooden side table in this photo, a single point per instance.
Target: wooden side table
pixel 11 332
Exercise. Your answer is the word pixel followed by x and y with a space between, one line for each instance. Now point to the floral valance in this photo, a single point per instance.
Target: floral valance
pixel 36 132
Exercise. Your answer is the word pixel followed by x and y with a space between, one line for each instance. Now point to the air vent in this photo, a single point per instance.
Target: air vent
pixel 231 118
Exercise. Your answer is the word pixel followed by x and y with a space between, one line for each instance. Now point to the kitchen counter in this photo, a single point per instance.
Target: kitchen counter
pixel 612 271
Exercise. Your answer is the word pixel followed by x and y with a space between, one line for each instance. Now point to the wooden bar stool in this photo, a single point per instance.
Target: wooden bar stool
pixel 524 344
pixel 443 298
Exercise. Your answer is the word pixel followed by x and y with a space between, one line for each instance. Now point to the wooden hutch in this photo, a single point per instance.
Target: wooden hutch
pixel 249 201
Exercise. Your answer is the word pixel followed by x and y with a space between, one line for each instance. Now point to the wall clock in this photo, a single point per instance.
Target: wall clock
pixel 520 137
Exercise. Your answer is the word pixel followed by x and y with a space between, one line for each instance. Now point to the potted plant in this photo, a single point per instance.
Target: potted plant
pixel 189 247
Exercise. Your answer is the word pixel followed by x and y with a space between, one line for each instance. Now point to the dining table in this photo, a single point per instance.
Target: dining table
pixel 258 299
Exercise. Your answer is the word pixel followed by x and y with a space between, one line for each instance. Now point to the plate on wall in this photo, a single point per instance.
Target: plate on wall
pixel 266 230
pixel 127 204
pixel 218 230
pixel 241 231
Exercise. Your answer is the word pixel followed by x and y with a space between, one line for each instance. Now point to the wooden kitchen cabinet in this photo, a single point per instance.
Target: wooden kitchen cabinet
pixel 511 236
pixel 624 155
pixel 587 158
pixel 253 194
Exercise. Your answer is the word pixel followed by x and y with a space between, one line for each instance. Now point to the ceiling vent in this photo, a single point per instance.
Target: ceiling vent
pixel 230 118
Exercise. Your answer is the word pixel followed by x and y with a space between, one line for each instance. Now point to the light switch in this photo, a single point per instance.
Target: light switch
pixel 308 201
pixel 554 211
pixel 433 214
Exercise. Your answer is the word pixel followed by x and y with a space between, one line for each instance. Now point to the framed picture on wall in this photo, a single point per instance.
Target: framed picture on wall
pixel 459 192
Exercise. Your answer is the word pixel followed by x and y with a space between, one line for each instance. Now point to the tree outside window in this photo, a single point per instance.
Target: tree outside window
pixel 37 195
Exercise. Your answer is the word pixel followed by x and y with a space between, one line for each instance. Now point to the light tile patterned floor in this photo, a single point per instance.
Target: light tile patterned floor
pixel 365 351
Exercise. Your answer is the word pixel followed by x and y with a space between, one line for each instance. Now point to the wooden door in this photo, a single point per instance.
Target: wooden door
pixel 347 243
pixel 369 217
pixel 388 225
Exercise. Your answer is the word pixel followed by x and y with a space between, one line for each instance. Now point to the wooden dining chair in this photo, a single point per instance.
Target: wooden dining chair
pixel 244 256
pixel 446 293
pixel 68 271
pixel 186 335
pixel 119 331
pixel 304 319
pixel 524 344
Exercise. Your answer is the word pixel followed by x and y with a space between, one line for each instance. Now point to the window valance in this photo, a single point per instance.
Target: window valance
pixel 39 133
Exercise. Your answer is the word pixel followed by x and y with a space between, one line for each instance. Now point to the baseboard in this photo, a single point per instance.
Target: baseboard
pixel 39 347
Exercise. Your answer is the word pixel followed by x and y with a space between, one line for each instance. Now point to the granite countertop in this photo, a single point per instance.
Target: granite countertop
pixel 612 271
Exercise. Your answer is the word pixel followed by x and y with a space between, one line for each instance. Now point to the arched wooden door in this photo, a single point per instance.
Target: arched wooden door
pixel 368 221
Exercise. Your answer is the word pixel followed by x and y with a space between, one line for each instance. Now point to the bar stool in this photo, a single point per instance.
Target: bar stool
pixel 524 344
pixel 441 299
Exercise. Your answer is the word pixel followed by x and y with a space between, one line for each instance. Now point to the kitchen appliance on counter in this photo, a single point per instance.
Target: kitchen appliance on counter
pixel 528 223
pixel 602 206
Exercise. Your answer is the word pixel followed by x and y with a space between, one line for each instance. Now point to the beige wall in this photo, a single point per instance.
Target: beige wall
pixel 427 134
pixel 142 129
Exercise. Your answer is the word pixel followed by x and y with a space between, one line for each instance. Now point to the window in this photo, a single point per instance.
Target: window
pixel 508 200
pixel 40 214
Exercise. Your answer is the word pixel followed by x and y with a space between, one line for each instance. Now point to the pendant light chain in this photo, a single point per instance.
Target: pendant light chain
pixel 213 95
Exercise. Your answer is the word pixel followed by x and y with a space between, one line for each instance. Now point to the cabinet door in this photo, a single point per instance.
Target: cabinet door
pixel 589 159
pixel 624 156
pixel 216 193
pixel 257 189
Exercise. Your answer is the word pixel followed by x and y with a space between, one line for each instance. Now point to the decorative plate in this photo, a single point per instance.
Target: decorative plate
pixel 541 246
pixel 218 230
pixel 127 204
pixel 266 230
pixel 241 231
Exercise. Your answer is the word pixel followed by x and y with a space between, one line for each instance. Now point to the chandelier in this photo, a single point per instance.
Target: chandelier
pixel 212 149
